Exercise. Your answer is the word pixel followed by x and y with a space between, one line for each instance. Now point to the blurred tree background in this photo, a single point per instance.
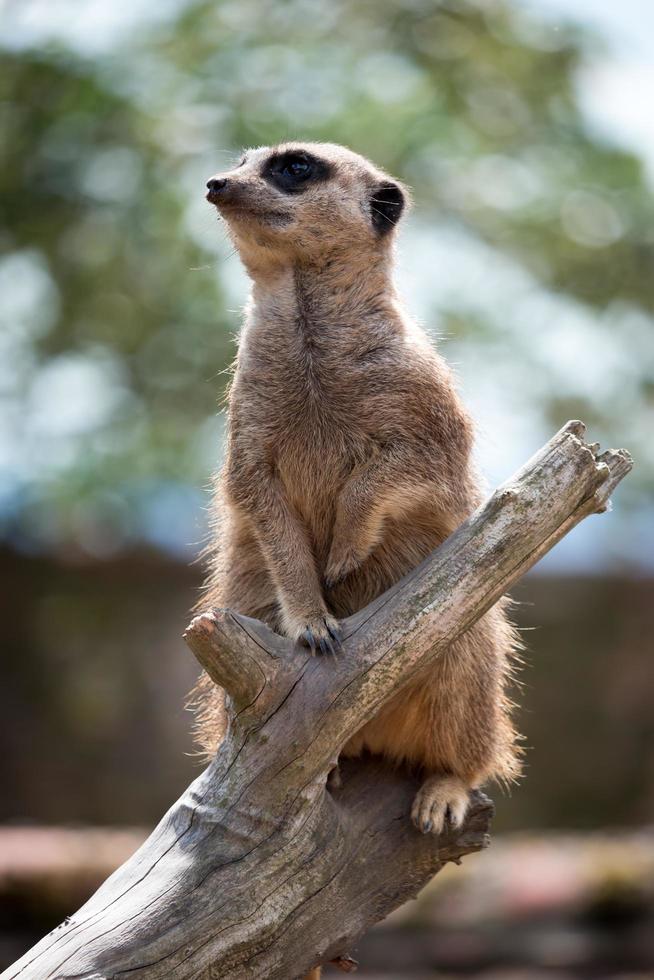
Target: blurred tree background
pixel 530 251
pixel 529 256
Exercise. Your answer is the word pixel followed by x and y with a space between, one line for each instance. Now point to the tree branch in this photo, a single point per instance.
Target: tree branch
pixel 232 657
pixel 258 870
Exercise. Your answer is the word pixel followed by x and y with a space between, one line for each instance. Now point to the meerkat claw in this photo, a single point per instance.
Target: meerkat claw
pixel 323 638
pixel 335 634
pixel 309 639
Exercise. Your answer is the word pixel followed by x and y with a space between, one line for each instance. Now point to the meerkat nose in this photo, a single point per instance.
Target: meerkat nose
pixel 216 185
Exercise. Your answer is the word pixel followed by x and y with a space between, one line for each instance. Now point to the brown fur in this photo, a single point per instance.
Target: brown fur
pixel 348 461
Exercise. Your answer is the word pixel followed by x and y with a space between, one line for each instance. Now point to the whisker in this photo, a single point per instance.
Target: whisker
pixel 381 214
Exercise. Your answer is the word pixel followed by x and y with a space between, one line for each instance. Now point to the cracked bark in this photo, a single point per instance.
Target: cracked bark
pixel 259 871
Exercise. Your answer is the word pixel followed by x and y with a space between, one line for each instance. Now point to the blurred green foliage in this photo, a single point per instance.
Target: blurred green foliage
pixel 116 290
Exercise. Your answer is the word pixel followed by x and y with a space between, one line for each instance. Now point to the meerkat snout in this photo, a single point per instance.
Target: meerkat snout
pixel 215 186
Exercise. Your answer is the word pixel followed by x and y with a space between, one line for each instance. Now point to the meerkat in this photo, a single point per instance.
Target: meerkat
pixel 348 460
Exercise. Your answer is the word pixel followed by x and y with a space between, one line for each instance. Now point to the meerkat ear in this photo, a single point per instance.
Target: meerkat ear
pixel 386 206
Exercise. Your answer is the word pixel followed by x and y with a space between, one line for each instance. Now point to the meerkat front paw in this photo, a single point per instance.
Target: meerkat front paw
pixel 440 800
pixel 321 634
pixel 340 563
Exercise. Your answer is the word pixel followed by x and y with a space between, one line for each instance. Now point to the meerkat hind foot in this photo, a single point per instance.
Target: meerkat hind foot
pixel 441 800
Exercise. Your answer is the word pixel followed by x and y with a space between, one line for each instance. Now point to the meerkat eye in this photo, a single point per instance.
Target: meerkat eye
pixel 294 172
pixel 298 168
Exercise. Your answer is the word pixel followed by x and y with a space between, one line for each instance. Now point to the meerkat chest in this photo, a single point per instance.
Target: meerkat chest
pixel 312 430
pixel 316 439
pixel 314 463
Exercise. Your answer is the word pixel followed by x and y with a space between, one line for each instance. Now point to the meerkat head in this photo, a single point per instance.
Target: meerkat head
pixel 306 202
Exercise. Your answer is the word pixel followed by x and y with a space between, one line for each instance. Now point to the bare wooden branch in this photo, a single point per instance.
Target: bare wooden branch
pixel 259 870
pixel 232 657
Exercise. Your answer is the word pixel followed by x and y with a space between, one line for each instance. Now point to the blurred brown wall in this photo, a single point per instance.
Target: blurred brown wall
pixel 95 676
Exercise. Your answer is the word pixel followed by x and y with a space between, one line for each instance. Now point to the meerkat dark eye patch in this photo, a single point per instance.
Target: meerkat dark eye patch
pixel 386 206
pixel 293 172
